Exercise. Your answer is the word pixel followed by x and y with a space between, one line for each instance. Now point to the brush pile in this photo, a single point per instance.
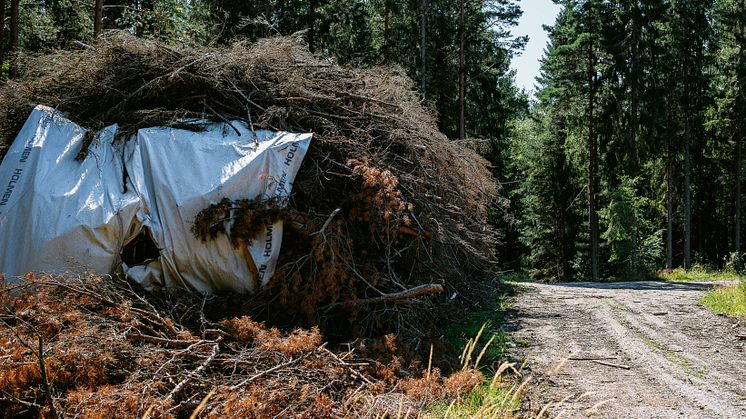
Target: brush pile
pixel 94 347
pixel 385 211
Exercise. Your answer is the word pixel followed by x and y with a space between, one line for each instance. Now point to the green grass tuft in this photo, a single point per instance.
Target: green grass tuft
pixel 699 275
pixel 499 399
pixel 492 317
pixel 501 394
pixel 728 299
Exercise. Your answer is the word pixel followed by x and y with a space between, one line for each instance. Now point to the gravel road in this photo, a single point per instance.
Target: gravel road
pixel 629 350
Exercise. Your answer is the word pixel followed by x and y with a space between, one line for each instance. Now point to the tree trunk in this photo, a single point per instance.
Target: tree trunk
pixel 687 199
pixel 98 18
pixel 592 158
pixel 2 37
pixel 669 208
pixel 311 26
pixel 13 50
pixel 461 73
pixel 423 47
pixel 738 202
pixel 386 12
pixel 740 131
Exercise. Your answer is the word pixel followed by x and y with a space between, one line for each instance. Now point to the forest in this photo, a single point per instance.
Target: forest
pixel 626 160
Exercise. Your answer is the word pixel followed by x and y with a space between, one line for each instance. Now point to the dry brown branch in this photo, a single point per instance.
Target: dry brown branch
pixel 196 372
pixel 44 378
pixel 108 361
pixel 611 364
pixel 268 371
pixel 393 297
pixel 167 343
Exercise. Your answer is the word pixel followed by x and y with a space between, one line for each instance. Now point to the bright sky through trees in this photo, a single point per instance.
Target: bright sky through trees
pixel 535 14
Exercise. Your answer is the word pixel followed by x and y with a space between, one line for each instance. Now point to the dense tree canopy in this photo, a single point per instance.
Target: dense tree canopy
pixel 667 113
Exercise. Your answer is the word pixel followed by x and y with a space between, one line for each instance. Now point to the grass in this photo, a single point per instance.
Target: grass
pixel 699 275
pixel 500 398
pixel 728 299
pixel 501 394
pixel 491 318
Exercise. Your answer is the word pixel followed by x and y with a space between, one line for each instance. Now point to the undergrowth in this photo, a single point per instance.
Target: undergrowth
pixel 485 346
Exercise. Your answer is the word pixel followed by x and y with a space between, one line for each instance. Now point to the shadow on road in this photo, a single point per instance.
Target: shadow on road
pixel 640 285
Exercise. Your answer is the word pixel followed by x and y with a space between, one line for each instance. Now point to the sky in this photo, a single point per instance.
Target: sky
pixel 535 14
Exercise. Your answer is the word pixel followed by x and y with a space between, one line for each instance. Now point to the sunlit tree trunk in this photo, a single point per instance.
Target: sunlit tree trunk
pixel 592 151
pixel 687 200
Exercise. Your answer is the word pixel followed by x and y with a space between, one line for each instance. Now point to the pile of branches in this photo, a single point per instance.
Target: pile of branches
pixel 95 347
pixel 385 209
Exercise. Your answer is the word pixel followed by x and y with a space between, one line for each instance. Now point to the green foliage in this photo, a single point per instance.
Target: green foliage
pixel 666 85
pixel 496 399
pixel 38 29
pixel 734 263
pixel 176 21
pixel 548 217
pixel 636 245
pixel 729 299
pixel 490 322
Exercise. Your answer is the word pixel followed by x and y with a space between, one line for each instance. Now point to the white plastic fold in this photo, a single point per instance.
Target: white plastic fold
pixel 140 197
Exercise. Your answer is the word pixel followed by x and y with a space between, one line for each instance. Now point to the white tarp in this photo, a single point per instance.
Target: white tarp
pixel 60 215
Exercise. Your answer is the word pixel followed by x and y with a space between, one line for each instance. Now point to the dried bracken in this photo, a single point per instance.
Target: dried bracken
pixel 94 347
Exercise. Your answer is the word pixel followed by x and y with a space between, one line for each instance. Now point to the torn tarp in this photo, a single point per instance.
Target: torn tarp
pixel 132 203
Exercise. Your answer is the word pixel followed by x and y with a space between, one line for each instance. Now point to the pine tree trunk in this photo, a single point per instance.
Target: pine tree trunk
pixel 669 208
pixel 13 50
pixel 669 199
pixel 741 130
pixel 737 216
pixel 687 199
pixel 98 18
pixel 592 158
pixel 423 47
pixel 461 73
pixel 312 26
pixel 2 37
pixel 386 32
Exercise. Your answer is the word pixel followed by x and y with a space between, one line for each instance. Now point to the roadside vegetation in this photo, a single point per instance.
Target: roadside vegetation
pixel 700 274
pixel 727 299
pixel 484 351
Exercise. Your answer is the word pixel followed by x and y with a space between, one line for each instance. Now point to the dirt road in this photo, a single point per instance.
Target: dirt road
pixel 629 350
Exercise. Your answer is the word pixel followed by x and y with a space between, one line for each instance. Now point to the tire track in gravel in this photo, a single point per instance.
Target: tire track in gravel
pixel 684 361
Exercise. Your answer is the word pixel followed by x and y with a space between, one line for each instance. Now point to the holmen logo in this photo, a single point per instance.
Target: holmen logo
pixel 16 175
